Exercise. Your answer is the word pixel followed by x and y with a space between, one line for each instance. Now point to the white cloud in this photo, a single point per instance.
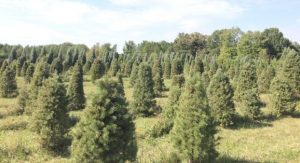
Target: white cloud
pixel 50 21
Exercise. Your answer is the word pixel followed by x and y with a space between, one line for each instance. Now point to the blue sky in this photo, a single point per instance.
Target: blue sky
pixel 38 22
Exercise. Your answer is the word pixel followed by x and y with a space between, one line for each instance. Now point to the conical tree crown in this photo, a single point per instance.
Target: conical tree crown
pixel 8 84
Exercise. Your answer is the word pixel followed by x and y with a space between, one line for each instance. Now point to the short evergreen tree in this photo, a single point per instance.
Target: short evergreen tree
pixel 105 133
pixel 194 130
pixel 220 98
pixel 8 84
pixel 157 77
pixel 250 104
pixel 97 70
pixel 143 93
pixel 50 118
pixel 75 90
pixel 282 98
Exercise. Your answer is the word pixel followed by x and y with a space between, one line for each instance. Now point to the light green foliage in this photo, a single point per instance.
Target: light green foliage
pixel 97 70
pixel 220 97
pixel 29 73
pixel 194 131
pixel 105 133
pixel 49 117
pixel 75 90
pixel 249 44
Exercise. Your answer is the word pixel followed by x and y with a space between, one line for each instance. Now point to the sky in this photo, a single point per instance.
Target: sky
pixel 40 22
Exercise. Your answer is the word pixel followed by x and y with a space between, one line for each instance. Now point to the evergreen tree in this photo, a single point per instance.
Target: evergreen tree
pixel 134 74
pixel 282 98
pixel 29 73
pixel 24 68
pixel 264 79
pixel 167 69
pixel 177 68
pixel 50 118
pixel 56 66
pixel 128 68
pixel 75 89
pixel 250 104
pixel 194 128
pixel 105 133
pixel 8 84
pixel 87 67
pixel 198 66
pixel 4 65
pixel 220 98
pixel 33 55
pixel 157 77
pixel 143 93
pixel 114 67
pixel 97 70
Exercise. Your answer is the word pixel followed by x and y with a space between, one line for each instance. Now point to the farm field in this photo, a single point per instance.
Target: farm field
pixel 261 141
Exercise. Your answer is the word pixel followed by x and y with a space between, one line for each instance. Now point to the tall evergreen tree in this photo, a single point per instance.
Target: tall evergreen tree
pixel 8 84
pixel 75 90
pixel 157 77
pixel 105 133
pixel 50 118
pixel 143 93
pixel 97 70
pixel 282 98
pixel 194 129
pixel 220 98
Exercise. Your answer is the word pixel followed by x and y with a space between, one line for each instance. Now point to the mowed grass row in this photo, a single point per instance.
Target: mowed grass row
pixel 263 141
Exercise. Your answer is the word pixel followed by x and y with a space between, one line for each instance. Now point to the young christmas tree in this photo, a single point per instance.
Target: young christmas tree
pixel 97 70
pixel 157 77
pixel 143 93
pixel 75 90
pixel 282 98
pixel 8 84
pixel 49 118
pixel 29 73
pixel 194 130
pixel 220 98
pixel 105 133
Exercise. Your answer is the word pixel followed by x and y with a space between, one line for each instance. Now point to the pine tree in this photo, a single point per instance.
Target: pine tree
pixel 194 129
pixel 24 68
pixel 167 69
pixel 75 90
pixel 8 84
pixel 114 67
pixel 97 70
pixel 134 74
pixel 250 104
pixel 29 73
pixel 220 98
pixel 282 98
pixel 290 69
pixel 50 119
pixel 157 77
pixel 105 133
pixel 143 93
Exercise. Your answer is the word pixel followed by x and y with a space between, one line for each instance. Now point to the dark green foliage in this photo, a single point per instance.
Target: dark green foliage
pixel 189 43
pixel 178 80
pixel 56 66
pixel 114 67
pixel 220 97
pixel 282 99
pixel 105 133
pixel 29 73
pixel 176 68
pixel 134 74
pixel 33 56
pixel 75 90
pixel 41 72
pixel 290 69
pixel 128 68
pixel 97 70
pixel 143 93
pixel 250 104
pixel 198 66
pixel 50 119
pixel 8 84
pixel 87 66
pixel 167 69
pixel 264 79
pixel 24 68
pixel 194 129
pixel 23 99
pixel 157 77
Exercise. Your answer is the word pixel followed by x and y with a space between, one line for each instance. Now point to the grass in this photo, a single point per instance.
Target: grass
pixel 268 140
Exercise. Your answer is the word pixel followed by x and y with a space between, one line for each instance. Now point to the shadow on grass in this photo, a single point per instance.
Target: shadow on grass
pixel 246 123
pixel 228 159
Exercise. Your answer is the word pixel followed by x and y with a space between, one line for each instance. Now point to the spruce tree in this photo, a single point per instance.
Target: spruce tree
pixel 105 133
pixel 143 93
pixel 75 90
pixel 194 130
pixel 8 84
pixel 134 74
pixel 24 68
pixel 167 69
pixel 114 67
pixel 56 66
pixel 282 98
pixel 97 70
pixel 157 77
pixel 250 104
pixel 50 119
pixel 29 73
pixel 220 98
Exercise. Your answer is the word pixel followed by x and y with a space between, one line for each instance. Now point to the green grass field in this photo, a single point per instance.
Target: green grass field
pixel 265 141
